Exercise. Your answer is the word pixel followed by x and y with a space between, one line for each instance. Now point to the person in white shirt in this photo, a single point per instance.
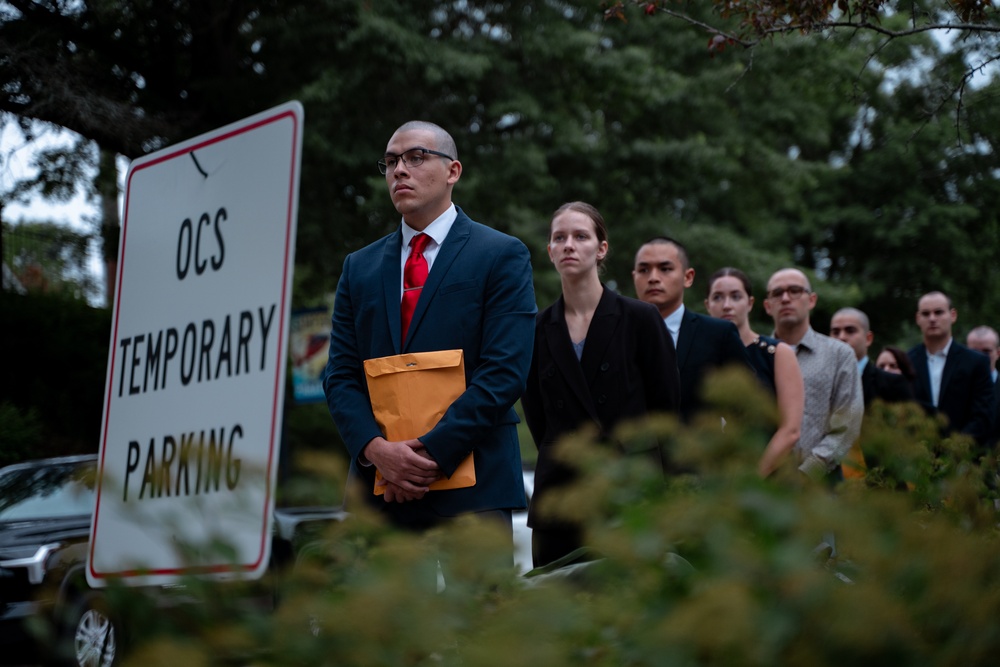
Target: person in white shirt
pixel 952 380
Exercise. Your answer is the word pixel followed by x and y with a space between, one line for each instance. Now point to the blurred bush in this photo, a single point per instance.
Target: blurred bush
pixel 55 367
pixel 713 567
pixel 20 431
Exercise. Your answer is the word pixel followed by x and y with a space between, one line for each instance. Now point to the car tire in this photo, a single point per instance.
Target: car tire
pixel 90 636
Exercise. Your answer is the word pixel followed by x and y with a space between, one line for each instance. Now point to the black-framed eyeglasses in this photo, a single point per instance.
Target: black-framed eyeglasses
pixel 794 292
pixel 412 157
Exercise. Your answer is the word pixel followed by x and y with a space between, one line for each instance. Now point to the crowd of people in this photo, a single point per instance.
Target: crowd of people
pixel 596 357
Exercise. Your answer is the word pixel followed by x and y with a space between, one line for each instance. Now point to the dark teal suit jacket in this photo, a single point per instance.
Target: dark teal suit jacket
pixel 478 298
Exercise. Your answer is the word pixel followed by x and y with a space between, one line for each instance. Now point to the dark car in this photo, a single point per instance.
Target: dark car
pixel 45 512
pixel 45 509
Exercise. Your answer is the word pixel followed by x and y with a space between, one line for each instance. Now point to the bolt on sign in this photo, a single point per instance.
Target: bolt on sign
pixel 196 365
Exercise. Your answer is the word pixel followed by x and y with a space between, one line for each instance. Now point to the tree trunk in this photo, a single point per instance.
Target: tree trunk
pixel 106 184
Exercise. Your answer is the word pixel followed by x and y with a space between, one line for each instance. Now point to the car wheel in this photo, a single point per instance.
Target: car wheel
pixel 91 637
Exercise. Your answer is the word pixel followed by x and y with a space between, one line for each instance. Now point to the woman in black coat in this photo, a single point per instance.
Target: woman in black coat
pixel 599 358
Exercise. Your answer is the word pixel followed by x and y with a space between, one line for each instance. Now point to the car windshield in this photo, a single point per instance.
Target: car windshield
pixel 50 491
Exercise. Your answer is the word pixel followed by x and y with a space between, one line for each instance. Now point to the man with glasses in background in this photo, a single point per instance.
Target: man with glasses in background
pixel 439 282
pixel 833 399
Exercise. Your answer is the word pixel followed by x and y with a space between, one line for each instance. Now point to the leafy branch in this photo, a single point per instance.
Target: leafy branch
pixel 760 20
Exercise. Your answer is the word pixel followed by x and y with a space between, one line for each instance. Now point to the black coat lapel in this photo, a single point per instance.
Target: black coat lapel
pixel 391 284
pixel 561 349
pixel 599 335
pixel 950 363
pixel 869 382
pixel 685 335
pixel 923 375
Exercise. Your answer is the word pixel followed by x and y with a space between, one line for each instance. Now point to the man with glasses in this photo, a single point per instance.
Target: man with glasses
pixel 833 402
pixel 439 282
pixel 951 379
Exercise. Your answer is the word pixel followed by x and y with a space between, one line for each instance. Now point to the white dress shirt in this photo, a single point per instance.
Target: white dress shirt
pixel 935 369
pixel 437 230
pixel 673 322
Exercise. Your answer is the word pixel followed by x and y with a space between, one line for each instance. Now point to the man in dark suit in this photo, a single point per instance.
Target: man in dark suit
pixel 985 339
pixel 951 379
pixel 661 273
pixel 478 297
pixel 852 326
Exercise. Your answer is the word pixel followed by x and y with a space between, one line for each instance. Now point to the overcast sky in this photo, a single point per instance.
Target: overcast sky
pixel 15 164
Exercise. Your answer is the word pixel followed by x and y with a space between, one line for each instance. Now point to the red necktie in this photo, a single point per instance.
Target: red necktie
pixel 414 277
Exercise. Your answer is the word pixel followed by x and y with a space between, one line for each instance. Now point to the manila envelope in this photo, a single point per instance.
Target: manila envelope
pixel 409 395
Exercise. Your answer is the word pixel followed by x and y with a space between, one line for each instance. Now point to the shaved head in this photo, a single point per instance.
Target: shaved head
pixel 445 143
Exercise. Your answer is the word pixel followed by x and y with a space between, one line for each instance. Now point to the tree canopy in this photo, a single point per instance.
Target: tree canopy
pixel 856 158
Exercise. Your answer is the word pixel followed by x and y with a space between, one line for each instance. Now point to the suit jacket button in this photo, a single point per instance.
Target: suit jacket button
pixel 559 403
pixel 605 366
pixel 602 399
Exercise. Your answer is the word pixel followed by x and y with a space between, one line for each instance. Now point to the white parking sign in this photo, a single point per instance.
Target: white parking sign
pixel 196 367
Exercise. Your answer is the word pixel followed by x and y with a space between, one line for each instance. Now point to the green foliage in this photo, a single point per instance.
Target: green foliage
pixel 312 474
pixel 717 567
pixel 20 431
pixel 56 352
pixel 851 155
pixel 50 258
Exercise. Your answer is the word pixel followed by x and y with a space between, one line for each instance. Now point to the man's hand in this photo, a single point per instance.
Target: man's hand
pixel 395 494
pixel 406 466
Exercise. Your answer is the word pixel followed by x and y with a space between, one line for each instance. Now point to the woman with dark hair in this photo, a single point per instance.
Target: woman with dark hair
pixel 730 297
pixel 599 358
pixel 895 360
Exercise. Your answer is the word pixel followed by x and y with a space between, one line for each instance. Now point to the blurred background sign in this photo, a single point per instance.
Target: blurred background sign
pixel 309 346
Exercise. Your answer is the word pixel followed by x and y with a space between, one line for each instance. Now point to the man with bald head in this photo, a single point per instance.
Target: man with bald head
pixel 851 326
pixel 986 340
pixel 952 380
pixel 833 400
pixel 439 282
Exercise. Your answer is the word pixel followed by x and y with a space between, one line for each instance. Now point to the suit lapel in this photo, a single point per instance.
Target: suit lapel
pixel 923 375
pixel 685 335
pixel 950 362
pixel 561 349
pixel 599 335
pixel 869 382
pixel 391 284
pixel 456 239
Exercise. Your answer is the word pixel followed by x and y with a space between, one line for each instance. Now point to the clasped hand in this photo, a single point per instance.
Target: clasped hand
pixel 407 468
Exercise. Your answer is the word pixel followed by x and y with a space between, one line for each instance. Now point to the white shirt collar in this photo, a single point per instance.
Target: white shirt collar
pixel 437 230
pixel 943 352
pixel 862 362
pixel 673 322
